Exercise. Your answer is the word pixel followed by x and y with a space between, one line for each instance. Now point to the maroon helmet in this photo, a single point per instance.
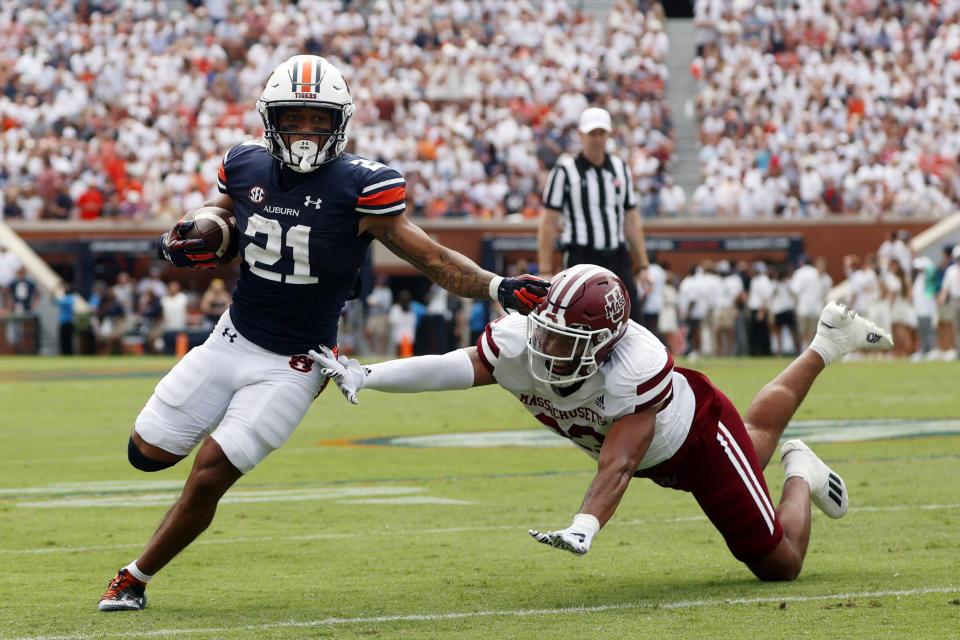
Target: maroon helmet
pixel 572 332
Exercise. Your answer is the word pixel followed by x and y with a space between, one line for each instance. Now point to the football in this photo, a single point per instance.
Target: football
pixel 218 229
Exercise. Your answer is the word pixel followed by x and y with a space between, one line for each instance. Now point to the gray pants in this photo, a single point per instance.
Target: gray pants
pixel 953 315
pixel 927 333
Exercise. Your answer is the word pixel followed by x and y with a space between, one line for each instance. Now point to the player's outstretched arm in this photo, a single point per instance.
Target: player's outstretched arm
pixel 452 270
pixel 460 369
pixel 623 449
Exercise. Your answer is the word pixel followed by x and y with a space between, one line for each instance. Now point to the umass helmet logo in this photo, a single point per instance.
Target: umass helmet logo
pixel 616 307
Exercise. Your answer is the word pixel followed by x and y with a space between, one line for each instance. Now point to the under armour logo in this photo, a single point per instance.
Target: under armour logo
pixel 226 334
pixel 310 201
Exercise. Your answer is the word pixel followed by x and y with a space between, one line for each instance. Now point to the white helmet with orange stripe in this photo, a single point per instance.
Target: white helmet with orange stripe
pixel 572 332
pixel 305 81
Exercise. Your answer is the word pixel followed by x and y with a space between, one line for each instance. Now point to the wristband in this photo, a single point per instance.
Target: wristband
pixel 586 521
pixel 495 288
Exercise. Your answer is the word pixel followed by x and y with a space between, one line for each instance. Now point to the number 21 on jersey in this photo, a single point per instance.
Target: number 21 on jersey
pixel 263 260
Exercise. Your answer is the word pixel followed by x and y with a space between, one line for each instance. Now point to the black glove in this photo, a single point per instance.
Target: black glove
pixel 181 252
pixel 522 293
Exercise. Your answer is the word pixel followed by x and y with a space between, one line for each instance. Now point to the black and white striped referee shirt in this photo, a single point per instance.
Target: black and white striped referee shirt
pixel 593 200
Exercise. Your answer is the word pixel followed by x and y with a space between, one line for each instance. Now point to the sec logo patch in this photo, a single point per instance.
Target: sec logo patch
pixel 257 194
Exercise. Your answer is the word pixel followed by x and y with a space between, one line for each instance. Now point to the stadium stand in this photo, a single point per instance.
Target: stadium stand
pixel 122 109
pixel 813 107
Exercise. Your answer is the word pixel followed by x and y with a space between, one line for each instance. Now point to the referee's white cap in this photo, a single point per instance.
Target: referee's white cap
pixel 594 118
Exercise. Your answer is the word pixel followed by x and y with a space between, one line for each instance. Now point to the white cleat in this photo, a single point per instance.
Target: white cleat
pixel 842 330
pixel 827 489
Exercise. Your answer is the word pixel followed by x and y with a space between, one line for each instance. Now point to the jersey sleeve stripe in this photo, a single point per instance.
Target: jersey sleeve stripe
pixel 487 350
pixel 380 185
pixel 657 379
pixel 222 174
pixel 397 208
pixel 665 396
pixel 488 336
pixel 389 196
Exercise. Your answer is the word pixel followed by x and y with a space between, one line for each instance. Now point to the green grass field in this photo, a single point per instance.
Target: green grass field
pixel 327 540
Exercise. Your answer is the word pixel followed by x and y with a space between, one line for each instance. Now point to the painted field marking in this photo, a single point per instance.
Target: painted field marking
pixel 261 495
pixel 59 375
pixel 437 531
pixel 517 613
pixel 66 488
pixel 406 500
pixel 809 430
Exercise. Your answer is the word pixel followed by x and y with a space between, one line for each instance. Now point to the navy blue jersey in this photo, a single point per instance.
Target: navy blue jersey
pixel 299 243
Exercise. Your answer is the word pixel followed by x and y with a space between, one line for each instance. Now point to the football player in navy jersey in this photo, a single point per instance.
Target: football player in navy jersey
pixel 590 374
pixel 306 213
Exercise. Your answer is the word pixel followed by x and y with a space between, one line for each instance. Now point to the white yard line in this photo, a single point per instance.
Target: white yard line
pixel 238 496
pixel 420 532
pixel 336 622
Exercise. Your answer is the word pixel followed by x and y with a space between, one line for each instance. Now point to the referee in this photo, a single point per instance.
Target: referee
pixel 592 194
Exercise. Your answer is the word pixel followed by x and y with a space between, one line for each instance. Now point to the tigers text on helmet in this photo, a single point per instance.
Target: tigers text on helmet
pixel 305 81
pixel 572 332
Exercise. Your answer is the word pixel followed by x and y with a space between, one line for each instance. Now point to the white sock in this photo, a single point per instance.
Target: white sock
pixel 134 570
pixel 826 348
pixel 794 468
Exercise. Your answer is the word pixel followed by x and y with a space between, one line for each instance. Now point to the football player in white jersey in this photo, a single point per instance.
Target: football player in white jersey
pixel 587 372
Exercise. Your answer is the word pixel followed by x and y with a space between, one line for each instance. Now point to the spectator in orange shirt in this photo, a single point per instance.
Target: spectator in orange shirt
pixel 90 203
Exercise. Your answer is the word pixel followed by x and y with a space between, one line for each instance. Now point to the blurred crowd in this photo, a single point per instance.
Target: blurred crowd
pixel 771 308
pixel 815 107
pixel 126 314
pixel 123 109
pixel 717 308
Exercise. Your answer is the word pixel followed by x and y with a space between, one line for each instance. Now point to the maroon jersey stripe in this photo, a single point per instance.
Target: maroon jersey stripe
pixel 657 379
pixel 665 396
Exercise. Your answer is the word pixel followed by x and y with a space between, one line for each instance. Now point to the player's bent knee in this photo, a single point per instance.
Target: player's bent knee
pixel 777 568
pixel 144 463
pixel 784 574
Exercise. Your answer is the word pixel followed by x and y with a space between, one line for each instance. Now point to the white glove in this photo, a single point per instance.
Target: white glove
pixel 576 538
pixel 348 374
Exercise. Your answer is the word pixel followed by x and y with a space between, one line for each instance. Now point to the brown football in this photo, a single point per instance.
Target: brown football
pixel 218 229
